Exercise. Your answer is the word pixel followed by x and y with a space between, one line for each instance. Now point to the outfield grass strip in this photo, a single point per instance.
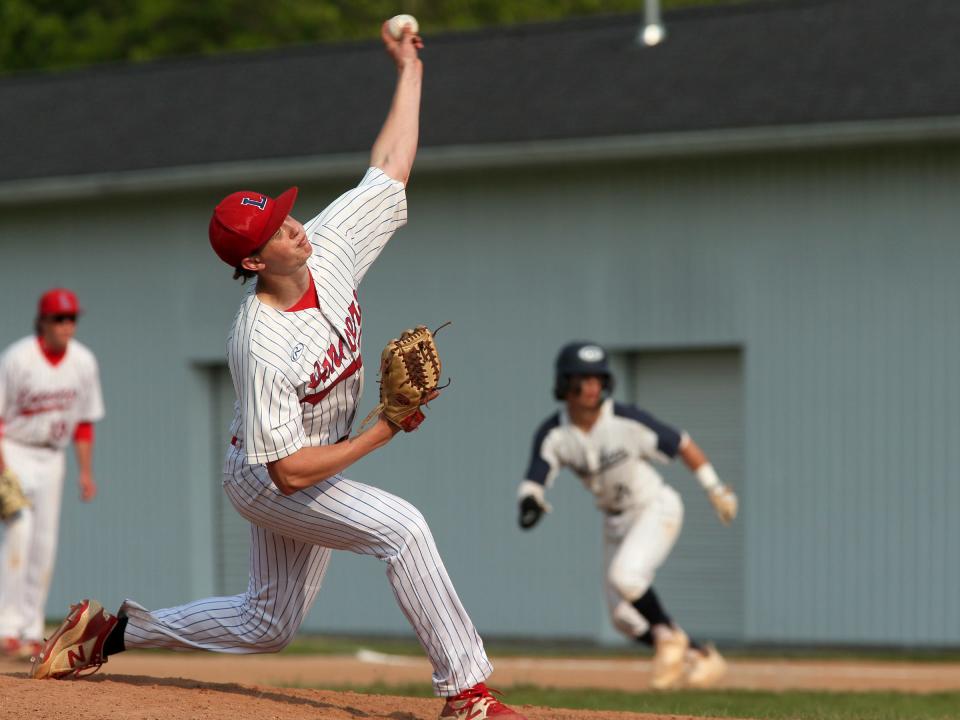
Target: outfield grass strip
pixel 722 703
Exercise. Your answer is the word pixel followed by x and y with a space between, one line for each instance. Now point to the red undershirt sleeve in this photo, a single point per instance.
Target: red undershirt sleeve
pixel 84 432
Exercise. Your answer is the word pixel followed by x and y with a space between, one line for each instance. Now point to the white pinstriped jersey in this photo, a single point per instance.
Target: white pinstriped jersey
pixel 298 375
pixel 41 403
pixel 612 459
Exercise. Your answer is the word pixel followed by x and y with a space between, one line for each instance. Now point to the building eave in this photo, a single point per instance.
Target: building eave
pixel 536 154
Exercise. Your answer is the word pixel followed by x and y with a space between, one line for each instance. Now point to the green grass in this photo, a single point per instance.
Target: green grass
pixel 348 645
pixel 307 644
pixel 726 703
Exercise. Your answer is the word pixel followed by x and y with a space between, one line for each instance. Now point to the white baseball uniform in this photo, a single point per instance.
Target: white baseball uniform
pixel 40 404
pixel 643 515
pixel 298 376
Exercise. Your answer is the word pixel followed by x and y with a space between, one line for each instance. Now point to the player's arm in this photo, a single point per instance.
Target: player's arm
pixel 662 442
pixel 396 146
pixel 83 449
pixel 311 465
pixel 91 411
pixel 542 469
pixel 722 496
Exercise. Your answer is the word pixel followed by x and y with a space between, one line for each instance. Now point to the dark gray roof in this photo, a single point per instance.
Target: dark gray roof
pixel 760 64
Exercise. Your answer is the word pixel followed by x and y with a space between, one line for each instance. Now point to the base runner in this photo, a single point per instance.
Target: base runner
pixel 610 447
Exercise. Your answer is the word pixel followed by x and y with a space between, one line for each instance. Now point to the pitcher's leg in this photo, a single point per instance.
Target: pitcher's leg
pixel 348 515
pixel 285 577
pixel 428 599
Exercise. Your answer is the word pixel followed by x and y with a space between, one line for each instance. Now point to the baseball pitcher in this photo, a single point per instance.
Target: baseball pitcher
pixel 295 358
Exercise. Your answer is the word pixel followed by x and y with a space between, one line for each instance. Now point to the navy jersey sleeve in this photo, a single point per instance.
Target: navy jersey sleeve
pixel 541 460
pixel 668 437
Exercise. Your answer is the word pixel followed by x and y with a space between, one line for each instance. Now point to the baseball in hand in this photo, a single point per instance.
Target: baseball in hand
pixel 397 23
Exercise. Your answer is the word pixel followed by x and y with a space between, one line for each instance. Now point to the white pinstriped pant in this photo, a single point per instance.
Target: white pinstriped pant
pixel 28 543
pixel 291 540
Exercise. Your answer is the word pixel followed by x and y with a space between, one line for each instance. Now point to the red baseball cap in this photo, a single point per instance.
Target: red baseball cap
pixel 245 220
pixel 58 301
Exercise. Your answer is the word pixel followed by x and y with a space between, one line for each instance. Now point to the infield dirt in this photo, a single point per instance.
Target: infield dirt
pixel 204 686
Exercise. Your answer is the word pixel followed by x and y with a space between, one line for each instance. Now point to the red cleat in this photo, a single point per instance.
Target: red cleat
pixel 476 703
pixel 77 644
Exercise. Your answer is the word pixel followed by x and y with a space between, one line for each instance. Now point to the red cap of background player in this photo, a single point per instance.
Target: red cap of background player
pixel 58 301
pixel 245 220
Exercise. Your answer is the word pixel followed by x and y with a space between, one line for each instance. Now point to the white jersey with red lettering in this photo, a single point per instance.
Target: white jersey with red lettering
pixel 298 376
pixel 42 403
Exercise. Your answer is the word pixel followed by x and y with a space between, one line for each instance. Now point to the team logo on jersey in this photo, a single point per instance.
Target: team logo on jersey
pixel 590 353
pixel 609 458
pixel 35 403
pixel 325 366
pixel 261 203
pixel 296 352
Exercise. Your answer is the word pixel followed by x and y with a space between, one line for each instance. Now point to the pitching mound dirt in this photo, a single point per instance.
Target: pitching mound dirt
pixel 132 697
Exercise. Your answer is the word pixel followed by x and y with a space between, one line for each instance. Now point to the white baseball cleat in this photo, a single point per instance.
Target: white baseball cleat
pixel 668 661
pixel 708 668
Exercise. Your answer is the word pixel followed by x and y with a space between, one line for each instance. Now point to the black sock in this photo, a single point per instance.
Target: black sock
pixel 114 642
pixel 649 606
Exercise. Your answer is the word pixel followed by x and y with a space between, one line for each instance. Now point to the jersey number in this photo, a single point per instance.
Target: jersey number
pixel 58 431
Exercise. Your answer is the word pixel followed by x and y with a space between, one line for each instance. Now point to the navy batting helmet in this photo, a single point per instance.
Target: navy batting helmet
pixel 581 358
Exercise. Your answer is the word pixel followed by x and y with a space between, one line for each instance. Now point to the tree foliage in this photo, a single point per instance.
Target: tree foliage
pixel 53 34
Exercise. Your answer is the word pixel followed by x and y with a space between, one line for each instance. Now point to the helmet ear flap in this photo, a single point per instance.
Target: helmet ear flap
pixel 561 386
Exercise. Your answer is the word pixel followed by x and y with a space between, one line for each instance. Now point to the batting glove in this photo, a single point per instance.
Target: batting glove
pixel 530 512
pixel 724 501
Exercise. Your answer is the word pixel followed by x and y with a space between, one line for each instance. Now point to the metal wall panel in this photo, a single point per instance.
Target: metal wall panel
pixel 700 391
pixel 834 272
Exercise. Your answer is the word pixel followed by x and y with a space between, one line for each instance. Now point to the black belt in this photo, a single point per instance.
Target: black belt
pixel 36 446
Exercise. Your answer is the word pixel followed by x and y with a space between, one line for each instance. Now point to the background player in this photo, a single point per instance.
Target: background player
pixel 49 394
pixel 609 446
pixel 294 356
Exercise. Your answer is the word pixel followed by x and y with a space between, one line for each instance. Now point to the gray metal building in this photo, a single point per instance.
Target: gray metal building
pixel 759 217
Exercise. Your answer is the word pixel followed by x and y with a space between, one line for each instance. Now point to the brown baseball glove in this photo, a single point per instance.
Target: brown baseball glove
pixel 12 499
pixel 409 378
